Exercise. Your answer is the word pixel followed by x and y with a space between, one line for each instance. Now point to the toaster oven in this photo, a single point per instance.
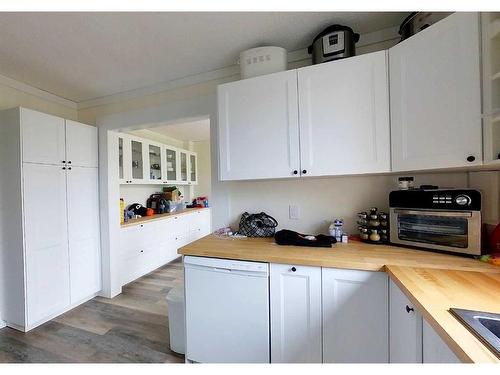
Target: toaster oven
pixel 445 220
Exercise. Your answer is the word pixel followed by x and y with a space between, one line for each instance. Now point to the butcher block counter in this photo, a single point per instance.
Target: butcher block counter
pixel 354 255
pixel 435 282
pixel 434 291
pixel 155 217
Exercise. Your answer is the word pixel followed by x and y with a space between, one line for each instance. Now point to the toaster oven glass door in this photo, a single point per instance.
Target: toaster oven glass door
pixel 439 228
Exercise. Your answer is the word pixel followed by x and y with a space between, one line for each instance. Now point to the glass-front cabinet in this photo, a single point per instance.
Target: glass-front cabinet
pixel 124 159
pixel 137 160
pixel 193 168
pixel 141 161
pixel 183 155
pixel 171 164
pixel 155 167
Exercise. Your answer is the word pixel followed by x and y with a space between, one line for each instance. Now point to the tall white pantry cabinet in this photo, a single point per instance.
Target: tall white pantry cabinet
pixel 49 216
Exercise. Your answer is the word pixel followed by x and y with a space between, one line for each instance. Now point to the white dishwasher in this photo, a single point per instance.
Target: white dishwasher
pixel 227 310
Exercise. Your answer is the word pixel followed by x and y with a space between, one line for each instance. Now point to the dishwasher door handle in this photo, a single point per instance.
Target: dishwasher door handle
pixel 221 269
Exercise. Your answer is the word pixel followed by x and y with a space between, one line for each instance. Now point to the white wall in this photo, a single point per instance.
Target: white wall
pixel 204 187
pixel 321 200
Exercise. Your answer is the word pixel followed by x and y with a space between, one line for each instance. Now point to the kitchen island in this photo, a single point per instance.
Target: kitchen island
pixel 433 282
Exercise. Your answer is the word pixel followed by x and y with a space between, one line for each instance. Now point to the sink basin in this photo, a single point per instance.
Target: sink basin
pixel 485 325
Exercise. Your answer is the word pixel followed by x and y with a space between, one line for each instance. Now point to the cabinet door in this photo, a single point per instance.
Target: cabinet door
pixel 81 144
pixel 344 111
pixel 43 137
pixel 46 241
pixel 405 328
pixel 295 314
pixel 435 96
pixel 171 164
pixel 193 168
pixel 435 350
pixel 83 232
pixel 183 167
pixel 258 127
pixel 355 316
pixel 138 160
pixel 154 162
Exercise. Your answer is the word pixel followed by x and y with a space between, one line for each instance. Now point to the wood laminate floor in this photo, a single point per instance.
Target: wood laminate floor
pixel 132 327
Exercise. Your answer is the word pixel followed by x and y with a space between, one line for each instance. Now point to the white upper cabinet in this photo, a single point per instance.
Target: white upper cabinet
pixel 43 138
pixel 344 116
pixel 355 316
pixel 154 165
pixel 295 295
pixel 124 160
pixel 81 144
pixel 405 328
pixel 258 127
pixel 435 96
pixel 171 164
pixel 193 168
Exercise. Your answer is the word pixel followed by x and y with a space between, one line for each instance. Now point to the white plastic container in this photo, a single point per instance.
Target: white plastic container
pixel 176 319
pixel 262 60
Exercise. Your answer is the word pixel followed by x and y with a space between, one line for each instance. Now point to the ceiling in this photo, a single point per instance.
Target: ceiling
pixel 83 56
pixel 195 131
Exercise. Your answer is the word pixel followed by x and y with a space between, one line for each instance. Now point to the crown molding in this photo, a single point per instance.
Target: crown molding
pixel 12 83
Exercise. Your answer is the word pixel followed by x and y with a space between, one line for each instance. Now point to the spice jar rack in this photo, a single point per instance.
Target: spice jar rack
pixel 373 226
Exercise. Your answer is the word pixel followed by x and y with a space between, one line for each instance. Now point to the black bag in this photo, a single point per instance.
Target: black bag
pixel 257 225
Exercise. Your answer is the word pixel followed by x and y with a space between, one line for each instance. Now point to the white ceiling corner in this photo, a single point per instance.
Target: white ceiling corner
pixel 86 57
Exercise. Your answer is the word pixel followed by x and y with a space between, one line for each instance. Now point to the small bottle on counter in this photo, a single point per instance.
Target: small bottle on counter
pixel 345 238
pixel 338 223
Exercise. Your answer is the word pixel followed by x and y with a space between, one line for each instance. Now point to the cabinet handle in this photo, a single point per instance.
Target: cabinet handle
pixel 64 161
pixel 142 251
pixel 408 309
pixel 63 167
pixel 293 269
pixel 295 172
pixel 471 158
pixel 69 168
pixel 304 171
pixel 69 162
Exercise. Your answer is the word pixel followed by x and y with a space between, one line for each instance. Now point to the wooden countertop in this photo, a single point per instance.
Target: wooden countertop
pixel 433 281
pixel 434 291
pixel 354 255
pixel 156 217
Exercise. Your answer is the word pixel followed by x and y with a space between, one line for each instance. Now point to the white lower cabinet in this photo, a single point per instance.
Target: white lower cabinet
pixel 355 316
pixel 435 350
pixel 295 295
pixel 83 233
pixel 405 328
pixel 147 246
pixel 46 244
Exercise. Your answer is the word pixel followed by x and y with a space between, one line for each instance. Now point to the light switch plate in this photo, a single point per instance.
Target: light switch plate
pixel 294 212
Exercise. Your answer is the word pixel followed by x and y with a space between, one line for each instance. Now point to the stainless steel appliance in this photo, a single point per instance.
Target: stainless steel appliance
pixel 446 220
pixel 418 21
pixel 334 42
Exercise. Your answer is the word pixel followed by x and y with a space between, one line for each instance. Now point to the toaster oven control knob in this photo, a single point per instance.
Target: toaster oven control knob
pixel 462 200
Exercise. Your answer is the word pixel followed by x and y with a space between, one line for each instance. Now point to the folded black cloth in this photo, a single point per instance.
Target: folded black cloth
pixel 289 237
